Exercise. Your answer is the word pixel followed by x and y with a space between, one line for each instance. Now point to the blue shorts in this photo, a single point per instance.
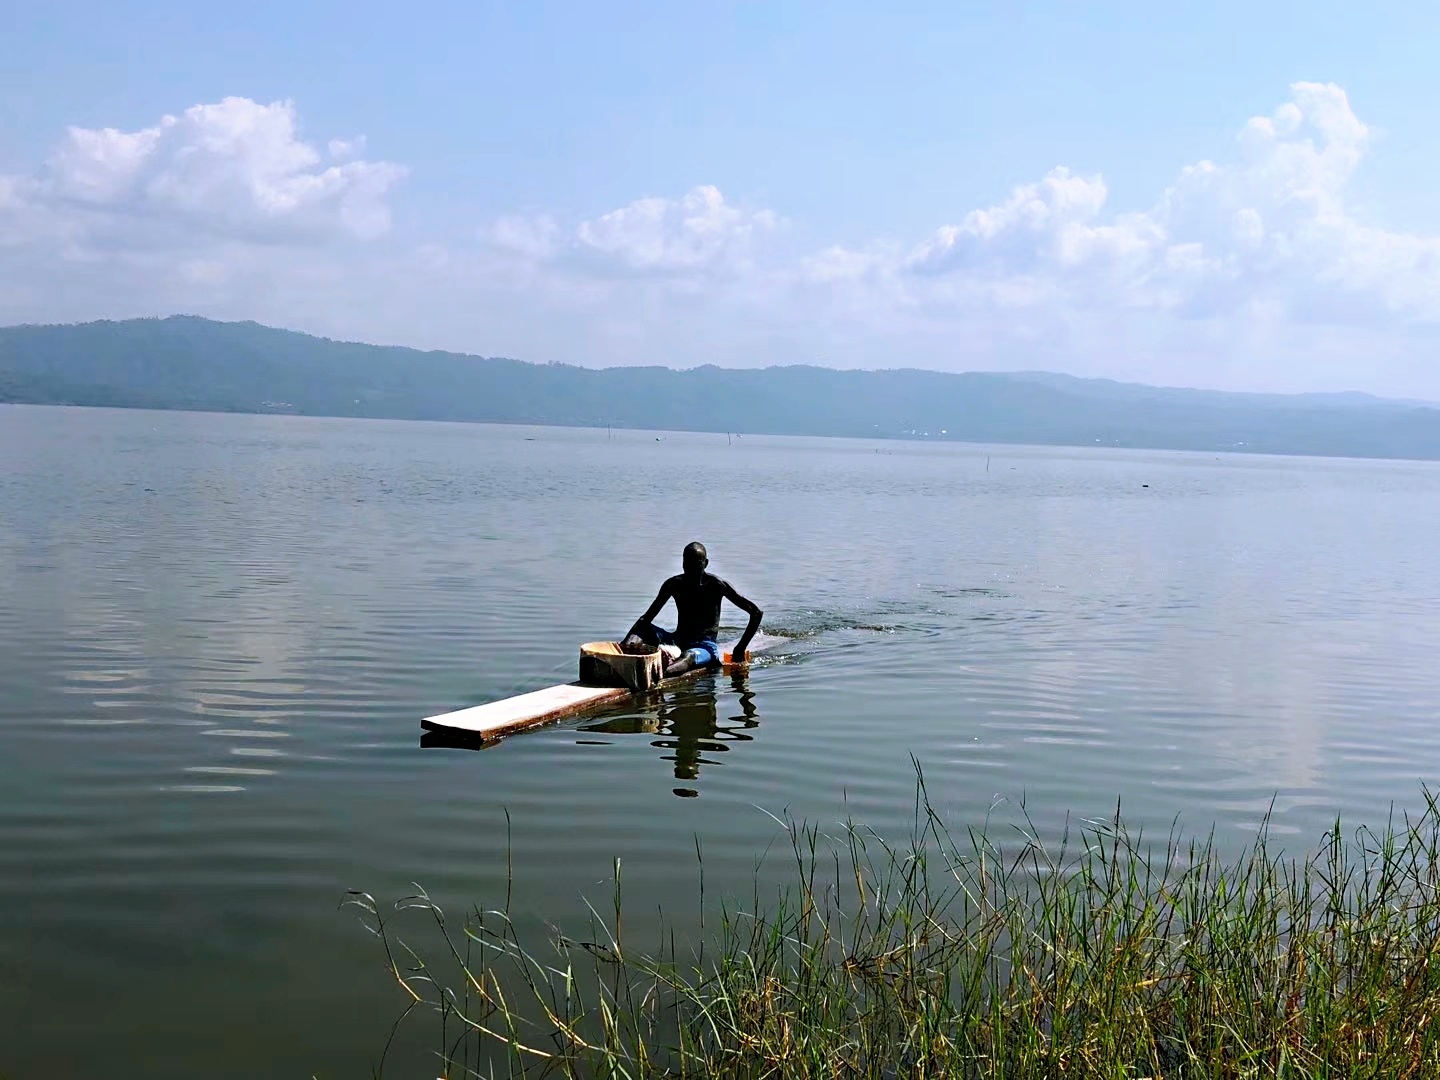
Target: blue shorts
pixel 701 652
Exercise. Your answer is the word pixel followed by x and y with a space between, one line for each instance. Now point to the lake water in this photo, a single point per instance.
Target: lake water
pixel 218 635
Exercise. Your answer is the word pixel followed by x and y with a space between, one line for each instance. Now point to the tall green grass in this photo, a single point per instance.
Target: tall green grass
pixel 960 954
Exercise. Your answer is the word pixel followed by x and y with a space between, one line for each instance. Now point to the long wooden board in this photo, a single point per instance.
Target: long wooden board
pixel 498 718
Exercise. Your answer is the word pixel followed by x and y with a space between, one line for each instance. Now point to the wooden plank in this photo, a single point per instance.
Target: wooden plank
pixel 498 718
pixel 526 711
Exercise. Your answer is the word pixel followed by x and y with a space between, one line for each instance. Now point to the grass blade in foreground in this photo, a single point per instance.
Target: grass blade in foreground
pixel 966 956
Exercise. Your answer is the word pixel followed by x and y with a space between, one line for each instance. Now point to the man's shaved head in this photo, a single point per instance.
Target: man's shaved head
pixel 694 558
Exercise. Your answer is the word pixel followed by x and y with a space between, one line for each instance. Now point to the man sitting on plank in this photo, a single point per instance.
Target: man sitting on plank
pixel 697 597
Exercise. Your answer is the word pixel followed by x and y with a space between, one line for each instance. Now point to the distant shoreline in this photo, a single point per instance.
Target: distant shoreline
pixel 901 439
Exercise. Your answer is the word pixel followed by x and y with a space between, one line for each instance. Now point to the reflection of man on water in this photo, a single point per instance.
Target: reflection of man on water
pixel 688 723
pixel 694 729
pixel 697 595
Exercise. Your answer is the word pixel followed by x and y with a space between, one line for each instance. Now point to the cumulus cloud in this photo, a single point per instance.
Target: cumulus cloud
pixel 698 233
pixel 232 170
pixel 1030 227
pixel 700 230
pixel 1252 269
pixel 1270 229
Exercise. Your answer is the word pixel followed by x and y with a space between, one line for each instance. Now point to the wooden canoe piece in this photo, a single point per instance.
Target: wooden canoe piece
pixel 604 663
pixel 498 718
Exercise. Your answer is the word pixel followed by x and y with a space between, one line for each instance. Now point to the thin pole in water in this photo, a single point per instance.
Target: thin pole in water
pixel 987 462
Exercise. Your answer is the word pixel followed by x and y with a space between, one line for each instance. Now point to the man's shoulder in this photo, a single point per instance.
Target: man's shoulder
pixel 707 581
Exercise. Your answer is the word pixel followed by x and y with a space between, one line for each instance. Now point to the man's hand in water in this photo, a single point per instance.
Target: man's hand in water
pixel 750 608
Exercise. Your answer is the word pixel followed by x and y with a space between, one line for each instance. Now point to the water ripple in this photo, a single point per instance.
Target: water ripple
pixel 217 645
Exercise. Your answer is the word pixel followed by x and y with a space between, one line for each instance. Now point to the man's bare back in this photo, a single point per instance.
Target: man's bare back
pixel 697 595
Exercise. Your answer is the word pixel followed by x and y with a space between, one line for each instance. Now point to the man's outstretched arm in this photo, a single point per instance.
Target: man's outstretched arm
pixel 661 599
pixel 750 608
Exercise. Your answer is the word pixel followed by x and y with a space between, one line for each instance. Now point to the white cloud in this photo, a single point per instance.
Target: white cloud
pixel 698 231
pixel 1253 269
pixel 233 170
pixel 1030 227
pixel 697 235
pixel 1272 229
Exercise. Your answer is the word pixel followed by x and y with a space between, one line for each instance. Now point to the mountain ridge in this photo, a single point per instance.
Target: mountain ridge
pixel 189 362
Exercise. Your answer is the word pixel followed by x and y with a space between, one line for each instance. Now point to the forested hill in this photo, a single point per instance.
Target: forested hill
pixel 191 363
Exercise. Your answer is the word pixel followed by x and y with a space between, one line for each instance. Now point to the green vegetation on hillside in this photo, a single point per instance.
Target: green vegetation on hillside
pixel 192 363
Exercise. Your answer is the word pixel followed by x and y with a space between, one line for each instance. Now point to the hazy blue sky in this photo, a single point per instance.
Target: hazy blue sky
pixel 1228 195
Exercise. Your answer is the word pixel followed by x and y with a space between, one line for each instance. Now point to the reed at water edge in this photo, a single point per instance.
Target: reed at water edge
pixel 964 954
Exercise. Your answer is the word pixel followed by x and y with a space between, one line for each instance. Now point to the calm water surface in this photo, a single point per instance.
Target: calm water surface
pixel 218 635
